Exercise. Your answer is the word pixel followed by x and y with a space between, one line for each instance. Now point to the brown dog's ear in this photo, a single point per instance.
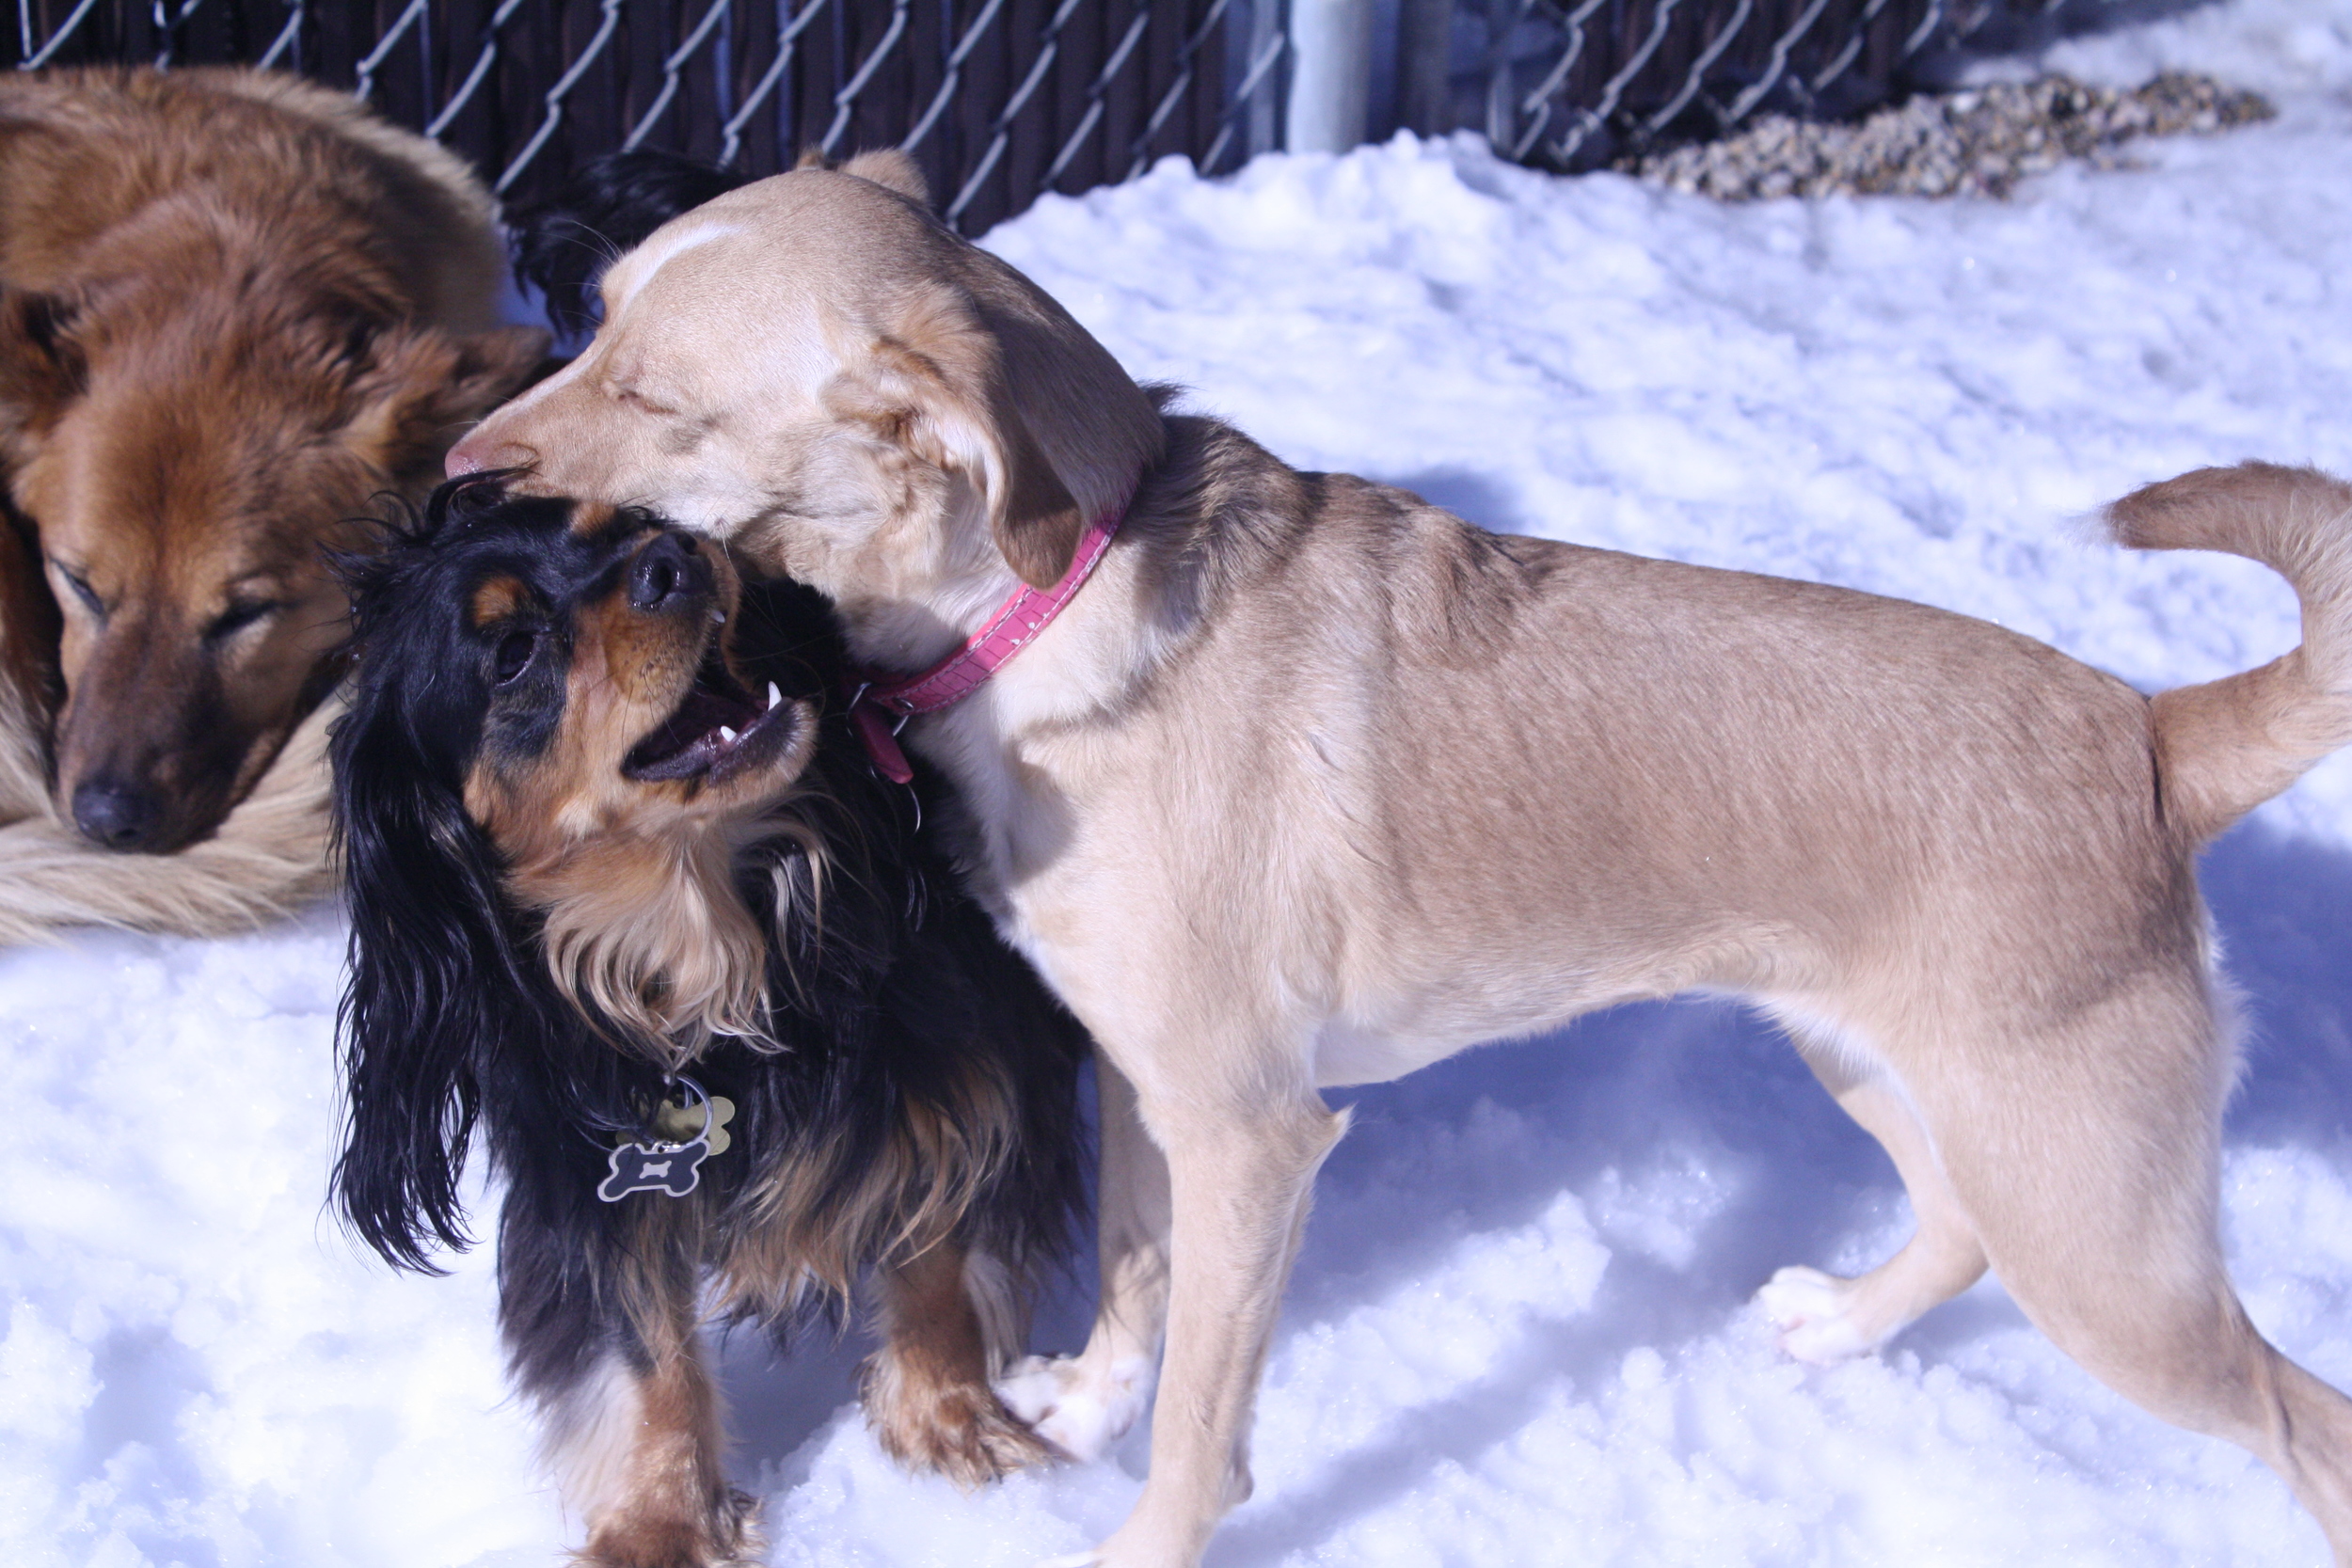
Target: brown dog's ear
pixel 893 170
pixel 41 367
pixel 425 386
pixel 937 387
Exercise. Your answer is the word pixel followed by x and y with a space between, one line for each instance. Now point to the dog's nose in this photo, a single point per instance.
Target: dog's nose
pixel 472 455
pixel 116 815
pixel 669 573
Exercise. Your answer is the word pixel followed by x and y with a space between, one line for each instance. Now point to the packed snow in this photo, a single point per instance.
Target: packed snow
pixel 1520 1332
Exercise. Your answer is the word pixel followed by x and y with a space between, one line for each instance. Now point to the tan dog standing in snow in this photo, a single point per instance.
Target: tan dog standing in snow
pixel 1313 784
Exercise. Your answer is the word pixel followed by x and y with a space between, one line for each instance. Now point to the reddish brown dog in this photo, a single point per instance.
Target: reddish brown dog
pixel 233 309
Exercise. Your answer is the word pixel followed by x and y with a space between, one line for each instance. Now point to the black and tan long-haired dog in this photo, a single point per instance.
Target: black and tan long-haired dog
pixel 608 854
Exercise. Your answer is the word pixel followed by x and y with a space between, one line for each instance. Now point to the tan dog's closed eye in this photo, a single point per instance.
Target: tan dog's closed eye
pixel 1314 783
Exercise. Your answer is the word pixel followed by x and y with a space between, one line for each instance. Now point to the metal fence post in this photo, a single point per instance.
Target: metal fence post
pixel 1266 40
pixel 1331 75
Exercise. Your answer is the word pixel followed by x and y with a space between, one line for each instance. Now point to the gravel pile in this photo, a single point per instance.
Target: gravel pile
pixel 1978 142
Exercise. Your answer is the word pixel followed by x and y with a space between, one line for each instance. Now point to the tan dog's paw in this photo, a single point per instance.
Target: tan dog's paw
pixel 963 1434
pixel 1065 1402
pixel 1813 1312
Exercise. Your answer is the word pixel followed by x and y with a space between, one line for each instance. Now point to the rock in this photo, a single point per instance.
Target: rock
pixel 1976 142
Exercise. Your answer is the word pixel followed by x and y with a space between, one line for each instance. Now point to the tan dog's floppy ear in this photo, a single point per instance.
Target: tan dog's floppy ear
pixel 424 385
pixel 1037 524
pixel 893 170
pixel 937 387
pixel 41 367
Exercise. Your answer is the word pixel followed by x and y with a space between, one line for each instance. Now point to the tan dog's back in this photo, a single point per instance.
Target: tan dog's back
pixel 1638 776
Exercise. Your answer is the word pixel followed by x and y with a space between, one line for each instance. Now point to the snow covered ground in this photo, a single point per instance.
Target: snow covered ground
pixel 1519 1333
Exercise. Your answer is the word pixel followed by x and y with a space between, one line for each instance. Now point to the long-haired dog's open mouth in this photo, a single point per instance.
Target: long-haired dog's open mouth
pixel 720 731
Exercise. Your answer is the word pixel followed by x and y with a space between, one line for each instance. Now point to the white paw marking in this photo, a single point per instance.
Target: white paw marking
pixel 1080 1411
pixel 1810 1309
pixel 1071 1560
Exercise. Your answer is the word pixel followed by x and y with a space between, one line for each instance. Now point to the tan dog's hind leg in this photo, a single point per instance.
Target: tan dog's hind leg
pixel 1824 1319
pixel 2087 1159
pixel 1083 1403
pixel 948 1319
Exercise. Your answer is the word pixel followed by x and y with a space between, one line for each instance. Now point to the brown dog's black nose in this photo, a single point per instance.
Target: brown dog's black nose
pixel 116 815
pixel 669 573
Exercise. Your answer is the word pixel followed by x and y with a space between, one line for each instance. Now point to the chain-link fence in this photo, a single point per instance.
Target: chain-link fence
pixel 1000 100
pixel 1570 84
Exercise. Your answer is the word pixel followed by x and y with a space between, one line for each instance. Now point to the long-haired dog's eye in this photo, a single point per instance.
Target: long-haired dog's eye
pixel 515 651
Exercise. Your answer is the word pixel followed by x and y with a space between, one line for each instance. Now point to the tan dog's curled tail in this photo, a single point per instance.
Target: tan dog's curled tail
pixel 2225 747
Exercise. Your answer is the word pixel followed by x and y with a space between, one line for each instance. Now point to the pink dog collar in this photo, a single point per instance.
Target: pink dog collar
pixel 1019 620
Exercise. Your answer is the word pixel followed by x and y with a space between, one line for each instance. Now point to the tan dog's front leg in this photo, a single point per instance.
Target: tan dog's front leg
pixel 1241 1172
pixel 1083 1403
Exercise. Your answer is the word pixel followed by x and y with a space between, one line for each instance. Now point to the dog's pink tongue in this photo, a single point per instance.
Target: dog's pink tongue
pixel 462 461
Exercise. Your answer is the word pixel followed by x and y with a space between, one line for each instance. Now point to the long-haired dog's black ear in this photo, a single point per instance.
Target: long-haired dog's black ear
pixel 607 205
pixel 423 995
pixel 433 984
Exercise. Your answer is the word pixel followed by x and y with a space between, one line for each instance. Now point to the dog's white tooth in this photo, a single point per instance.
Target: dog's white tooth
pixel 775 696
pixel 726 735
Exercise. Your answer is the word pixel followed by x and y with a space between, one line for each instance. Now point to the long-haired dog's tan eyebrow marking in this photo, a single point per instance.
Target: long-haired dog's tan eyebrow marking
pixel 589 788
pixel 497 598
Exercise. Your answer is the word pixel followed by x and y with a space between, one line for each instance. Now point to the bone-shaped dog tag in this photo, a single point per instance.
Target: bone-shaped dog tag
pixel 672 1168
pixel 676 1122
pixel 669 1163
